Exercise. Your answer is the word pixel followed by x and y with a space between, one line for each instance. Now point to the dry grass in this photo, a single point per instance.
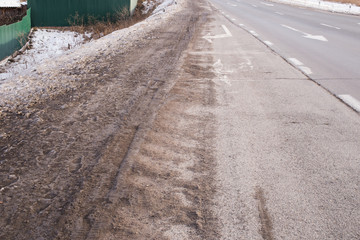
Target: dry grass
pixel 100 28
pixel 355 2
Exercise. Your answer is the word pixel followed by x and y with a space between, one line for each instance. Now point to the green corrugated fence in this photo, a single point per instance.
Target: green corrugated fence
pixel 66 12
pixel 14 36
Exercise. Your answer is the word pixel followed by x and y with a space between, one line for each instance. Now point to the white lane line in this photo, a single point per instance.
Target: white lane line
pixel 306 35
pixel 300 65
pixel 359 23
pixel 254 33
pixel 241 25
pixel 306 70
pixel 351 101
pixel 226 35
pixel 329 26
pixel 268 43
pixel 254 5
pixel 267 4
pixel 233 19
pixel 295 61
pixel 279 13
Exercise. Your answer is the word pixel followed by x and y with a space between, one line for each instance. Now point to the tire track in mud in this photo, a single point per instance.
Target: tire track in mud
pixel 60 176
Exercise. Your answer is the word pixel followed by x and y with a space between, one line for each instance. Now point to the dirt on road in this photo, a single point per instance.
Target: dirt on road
pixel 125 154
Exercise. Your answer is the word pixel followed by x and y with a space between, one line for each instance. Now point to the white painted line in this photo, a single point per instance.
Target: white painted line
pixel 351 101
pixel 227 15
pixel 279 13
pixel 227 34
pixel 359 23
pixel 306 70
pixel 254 5
pixel 254 33
pixel 267 4
pixel 231 4
pixel 306 35
pixel 295 61
pixel 268 43
pixel 221 73
pixel 241 25
pixel 300 66
pixel 329 26
pixel 233 19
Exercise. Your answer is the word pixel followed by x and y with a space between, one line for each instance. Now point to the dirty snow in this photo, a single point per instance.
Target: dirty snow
pixel 46 44
pixel 10 3
pixel 40 71
pixel 324 5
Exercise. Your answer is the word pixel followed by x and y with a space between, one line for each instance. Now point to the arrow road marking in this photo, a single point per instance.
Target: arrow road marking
pixel 226 35
pixel 323 24
pixel 307 35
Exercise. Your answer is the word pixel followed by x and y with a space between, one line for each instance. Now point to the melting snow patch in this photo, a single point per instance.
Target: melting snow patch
pixel 46 44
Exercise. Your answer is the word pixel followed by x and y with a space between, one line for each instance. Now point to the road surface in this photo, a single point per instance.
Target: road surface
pixel 324 45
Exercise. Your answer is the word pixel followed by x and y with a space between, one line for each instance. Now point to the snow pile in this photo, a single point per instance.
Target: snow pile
pixel 161 5
pixel 46 44
pixel 324 5
pixel 42 71
pixel 164 5
pixel 10 3
pixel 149 5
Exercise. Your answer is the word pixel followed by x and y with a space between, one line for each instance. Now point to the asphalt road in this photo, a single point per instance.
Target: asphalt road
pixel 287 150
pixel 323 45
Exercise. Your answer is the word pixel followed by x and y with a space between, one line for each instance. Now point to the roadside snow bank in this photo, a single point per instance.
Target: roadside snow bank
pixel 45 44
pixel 51 74
pixel 324 5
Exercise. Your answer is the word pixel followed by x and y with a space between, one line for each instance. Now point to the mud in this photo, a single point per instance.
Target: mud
pixel 127 154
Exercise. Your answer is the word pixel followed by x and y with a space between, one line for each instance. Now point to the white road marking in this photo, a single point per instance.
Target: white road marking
pixel 329 26
pixel 295 61
pixel 227 34
pixel 268 43
pixel 241 25
pixel 254 33
pixel 246 65
pixel 279 13
pixel 306 70
pixel 307 35
pixel 359 23
pixel 233 5
pixel 254 5
pixel 300 65
pixel 267 4
pixel 219 71
pixel 351 101
pixel 233 19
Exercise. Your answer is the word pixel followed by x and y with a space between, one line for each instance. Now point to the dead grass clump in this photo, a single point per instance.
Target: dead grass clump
pixel 355 2
pixel 101 27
